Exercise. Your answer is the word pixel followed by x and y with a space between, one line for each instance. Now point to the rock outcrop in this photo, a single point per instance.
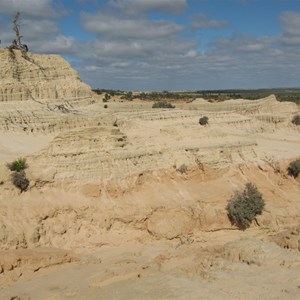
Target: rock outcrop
pixel 39 77
pixel 39 92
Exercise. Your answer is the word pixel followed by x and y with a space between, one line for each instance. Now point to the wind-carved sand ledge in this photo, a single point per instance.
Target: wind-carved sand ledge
pixel 108 213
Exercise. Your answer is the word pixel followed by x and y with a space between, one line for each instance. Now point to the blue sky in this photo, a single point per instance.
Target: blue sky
pixel 165 44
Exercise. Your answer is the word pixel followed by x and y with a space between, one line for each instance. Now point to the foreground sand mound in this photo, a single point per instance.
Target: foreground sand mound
pixel 168 207
pixel 166 271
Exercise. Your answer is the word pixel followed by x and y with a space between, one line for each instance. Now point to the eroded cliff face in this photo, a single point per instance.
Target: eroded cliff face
pixel 39 77
pixel 40 94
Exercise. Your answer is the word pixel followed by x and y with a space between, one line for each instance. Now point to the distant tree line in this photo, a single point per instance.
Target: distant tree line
pixel 292 95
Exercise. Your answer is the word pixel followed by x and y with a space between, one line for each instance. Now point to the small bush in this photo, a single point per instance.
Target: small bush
pixel 105 106
pixel 18 165
pixel 19 180
pixel 183 169
pixel 106 98
pixel 296 120
pixel 163 105
pixel 203 120
pixel 244 206
pixel 294 168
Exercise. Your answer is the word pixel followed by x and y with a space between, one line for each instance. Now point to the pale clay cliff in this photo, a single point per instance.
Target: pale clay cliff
pixel 44 78
pixel 107 199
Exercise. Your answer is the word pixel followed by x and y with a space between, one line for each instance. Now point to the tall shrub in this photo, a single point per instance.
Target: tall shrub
pixel 245 205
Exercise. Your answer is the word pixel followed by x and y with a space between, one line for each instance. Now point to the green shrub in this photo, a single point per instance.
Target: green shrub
pixel 244 206
pixel 294 168
pixel 19 180
pixel 18 165
pixel 105 106
pixel 296 120
pixel 163 105
pixel 203 120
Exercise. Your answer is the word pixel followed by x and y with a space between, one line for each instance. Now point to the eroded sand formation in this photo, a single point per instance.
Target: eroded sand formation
pixel 108 213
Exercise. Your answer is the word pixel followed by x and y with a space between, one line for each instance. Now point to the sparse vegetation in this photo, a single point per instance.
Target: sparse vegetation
pixel 127 96
pixel 294 168
pixel 105 106
pixel 20 180
pixel 244 206
pixel 183 169
pixel 296 120
pixel 18 165
pixel 110 92
pixel 106 98
pixel 165 95
pixel 291 94
pixel 203 120
pixel 163 105
pixel 18 177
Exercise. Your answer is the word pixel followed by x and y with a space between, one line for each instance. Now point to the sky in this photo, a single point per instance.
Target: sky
pixel 155 45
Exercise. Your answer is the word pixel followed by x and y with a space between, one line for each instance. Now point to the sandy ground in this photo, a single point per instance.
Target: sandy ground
pixel 242 268
pixel 14 145
pixel 109 215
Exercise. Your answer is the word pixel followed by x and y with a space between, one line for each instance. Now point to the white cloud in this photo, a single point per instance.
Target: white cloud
pixel 38 25
pixel 37 8
pixel 115 26
pixel 121 64
pixel 103 51
pixel 42 36
pixel 244 44
pixel 202 21
pixel 129 50
pixel 142 6
pixel 57 44
pixel 291 28
pixel 91 68
pixel 33 28
pixel 191 53
pixel 169 63
pixel 291 22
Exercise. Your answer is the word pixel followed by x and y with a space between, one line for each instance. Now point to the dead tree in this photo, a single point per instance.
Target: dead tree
pixel 16 43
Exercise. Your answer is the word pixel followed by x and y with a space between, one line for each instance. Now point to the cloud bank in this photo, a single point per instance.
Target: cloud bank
pixel 159 45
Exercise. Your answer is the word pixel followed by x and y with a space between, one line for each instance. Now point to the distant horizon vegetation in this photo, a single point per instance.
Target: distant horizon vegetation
pixel 281 94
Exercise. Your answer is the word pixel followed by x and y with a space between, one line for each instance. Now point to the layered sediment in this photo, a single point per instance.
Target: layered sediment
pixel 39 77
